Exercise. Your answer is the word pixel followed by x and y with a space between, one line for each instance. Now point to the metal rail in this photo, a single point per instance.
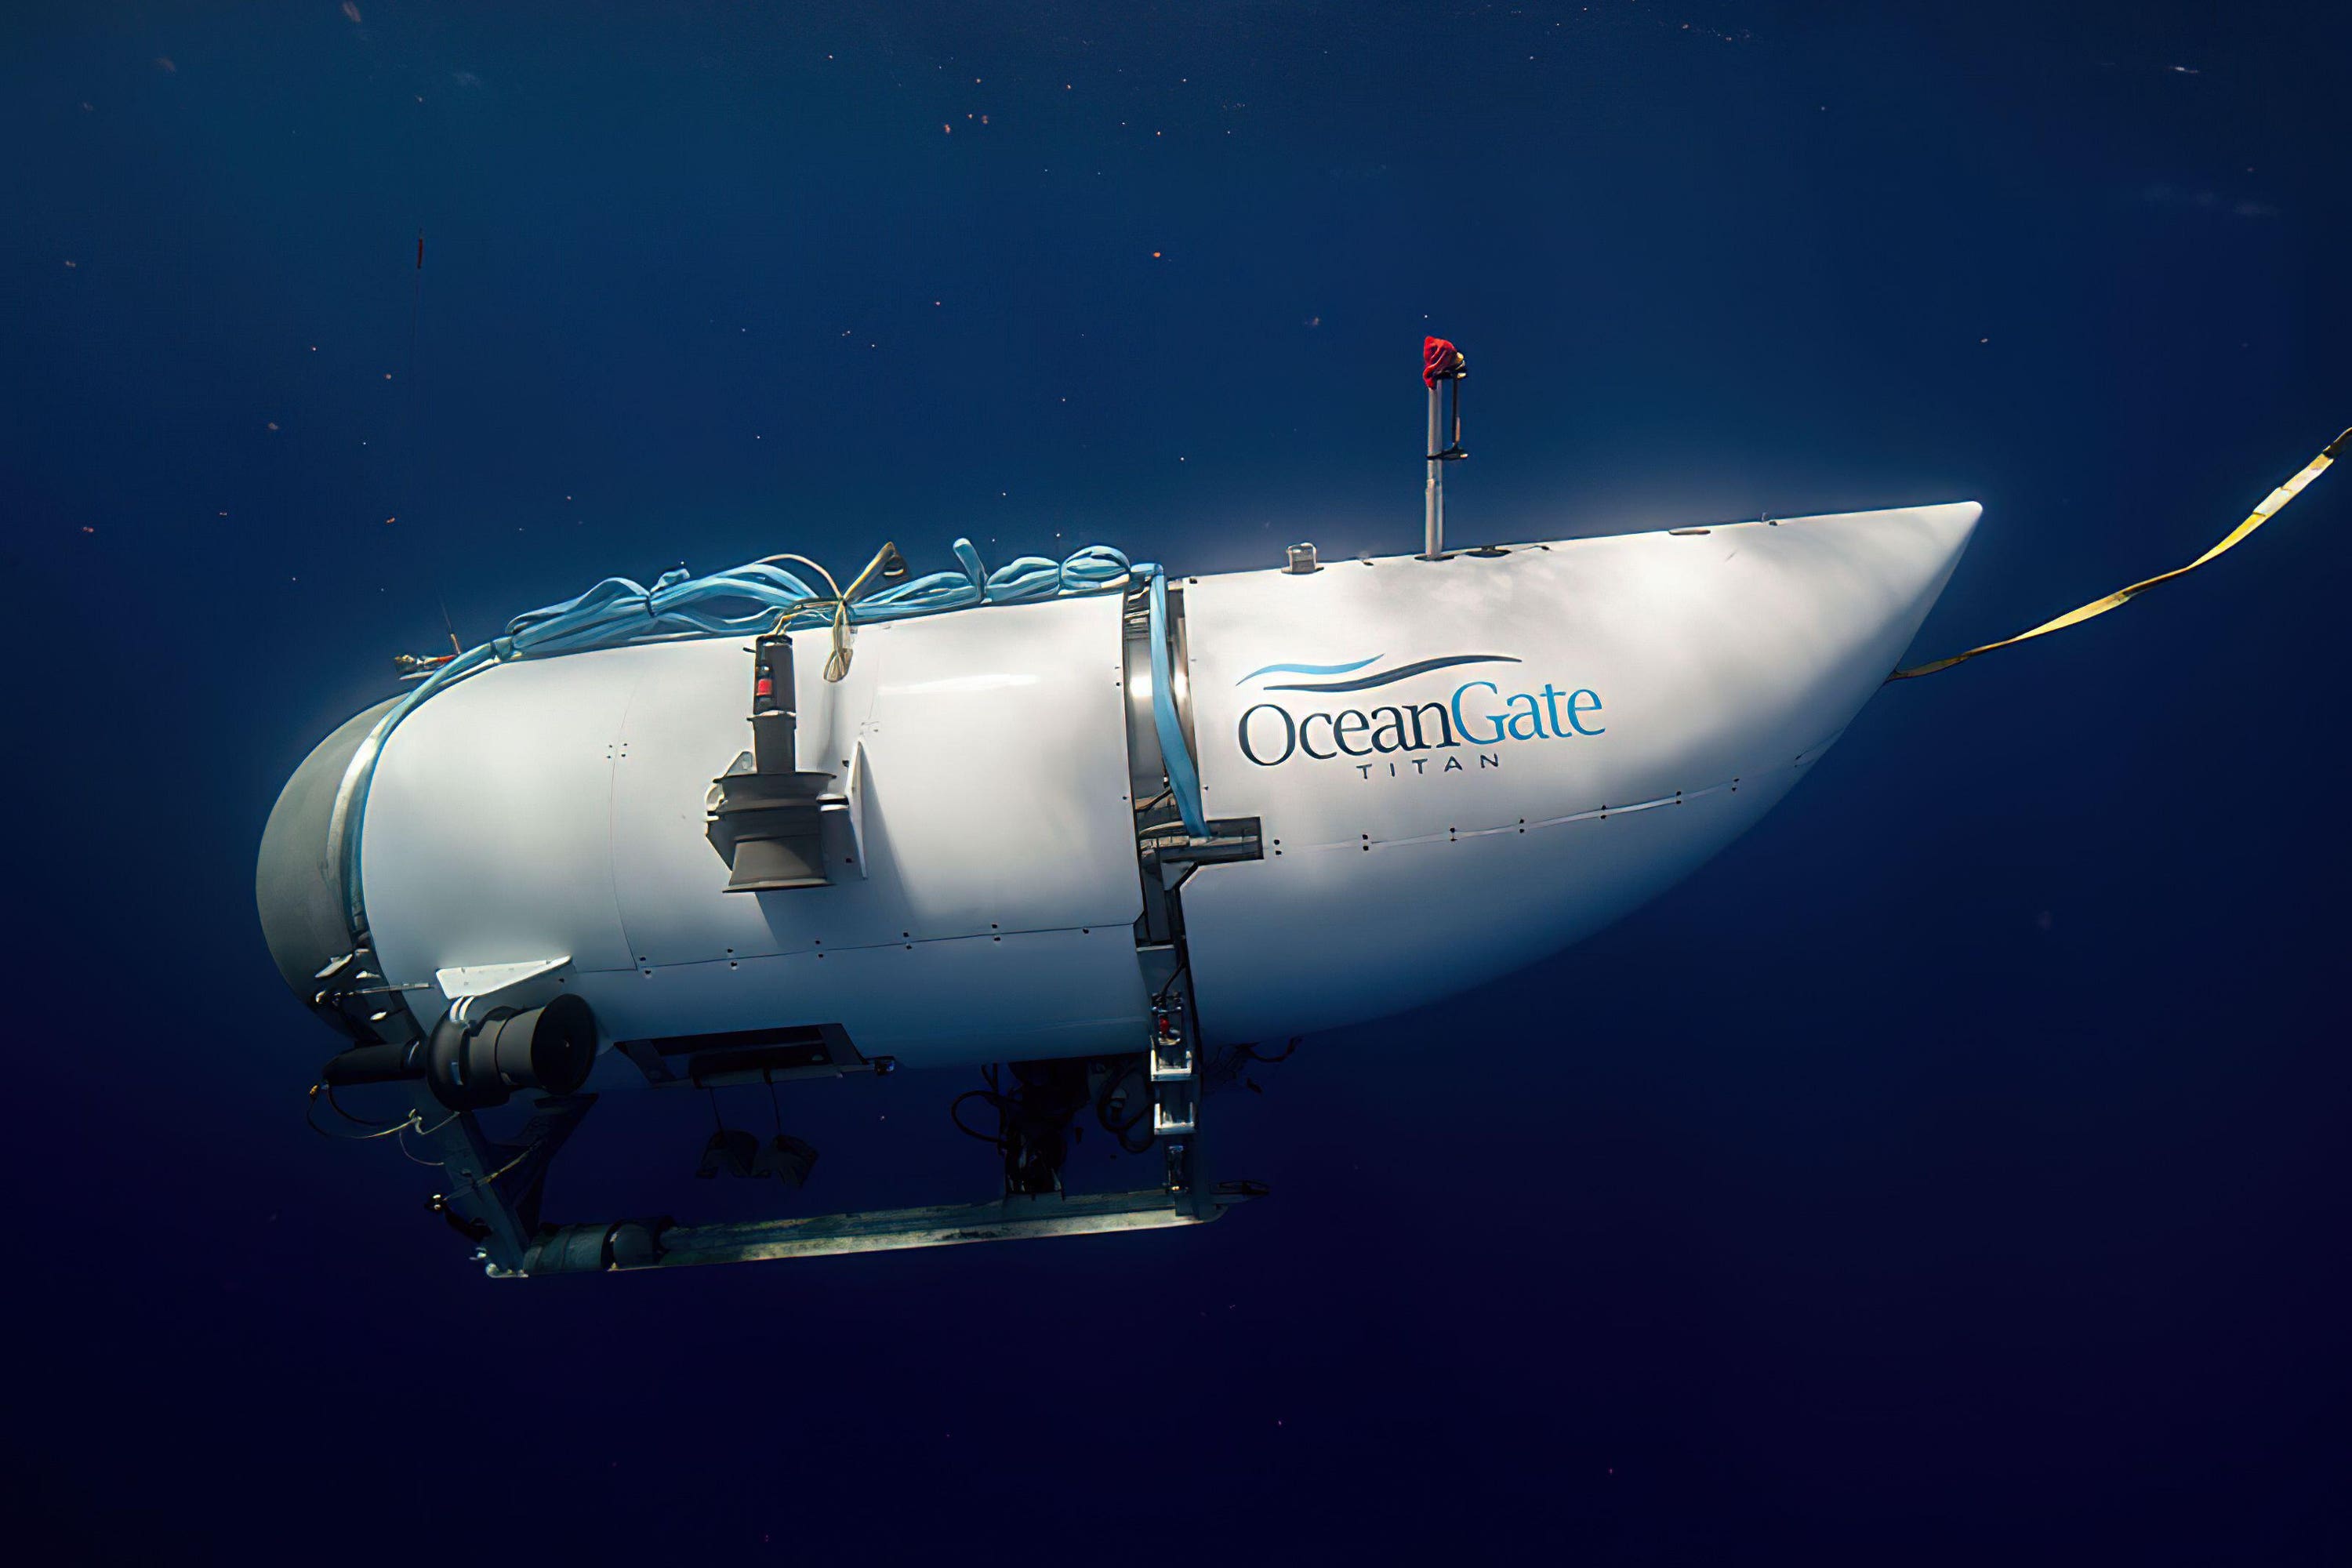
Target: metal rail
pixel 596 1248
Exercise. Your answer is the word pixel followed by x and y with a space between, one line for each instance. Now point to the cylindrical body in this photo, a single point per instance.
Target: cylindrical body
pixel 474 1065
pixel 1433 495
pixel 374 1064
pixel 983 880
pixel 1452 767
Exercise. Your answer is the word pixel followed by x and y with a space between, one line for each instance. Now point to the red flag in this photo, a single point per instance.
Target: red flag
pixel 1439 359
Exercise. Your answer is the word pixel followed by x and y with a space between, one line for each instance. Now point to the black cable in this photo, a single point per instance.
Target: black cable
pixel 383 1129
pixel 1119 1130
pixel 996 1101
pixel 337 1107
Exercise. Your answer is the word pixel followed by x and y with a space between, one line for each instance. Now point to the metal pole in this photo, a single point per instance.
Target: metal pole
pixel 1432 524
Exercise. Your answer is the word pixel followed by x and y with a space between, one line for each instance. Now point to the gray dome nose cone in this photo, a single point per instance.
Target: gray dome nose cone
pixel 297 883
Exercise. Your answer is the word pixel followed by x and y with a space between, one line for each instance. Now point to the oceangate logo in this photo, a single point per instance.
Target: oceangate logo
pixel 1478 714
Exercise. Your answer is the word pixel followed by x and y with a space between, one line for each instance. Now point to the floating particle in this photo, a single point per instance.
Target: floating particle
pixel 71 262
pixel 350 10
pixel 273 424
pixel 165 61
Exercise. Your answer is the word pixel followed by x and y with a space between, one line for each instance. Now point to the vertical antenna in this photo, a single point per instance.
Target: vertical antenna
pixel 1433 491
pixel 1441 362
pixel 408 445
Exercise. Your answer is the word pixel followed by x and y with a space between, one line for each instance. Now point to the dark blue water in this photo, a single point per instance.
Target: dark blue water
pixel 1954 1170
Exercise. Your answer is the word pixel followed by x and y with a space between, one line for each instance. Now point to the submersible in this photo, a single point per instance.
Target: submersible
pixel 1115 828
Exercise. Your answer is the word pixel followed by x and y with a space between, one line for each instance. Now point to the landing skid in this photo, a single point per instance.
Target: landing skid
pixel 494 1186
pixel 582 1249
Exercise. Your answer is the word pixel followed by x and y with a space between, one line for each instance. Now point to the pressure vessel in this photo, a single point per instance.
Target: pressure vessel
pixel 1393 779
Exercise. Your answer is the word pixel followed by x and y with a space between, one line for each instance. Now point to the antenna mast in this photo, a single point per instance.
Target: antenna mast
pixel 1441 364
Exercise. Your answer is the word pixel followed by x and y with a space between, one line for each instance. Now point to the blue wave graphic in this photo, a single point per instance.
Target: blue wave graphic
pixel 1306 669
pixel 1402 672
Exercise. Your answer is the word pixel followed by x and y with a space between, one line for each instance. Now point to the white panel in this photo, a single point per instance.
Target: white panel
pixel 487 825
pixel 1713 662
pixel 930 1003
pixel 997 772
pixel 559 805
pixel 690 719
pixel 489 979
pixel 994 793
pixel 1321 937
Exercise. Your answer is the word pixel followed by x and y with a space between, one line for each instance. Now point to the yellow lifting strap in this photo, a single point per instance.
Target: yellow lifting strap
pixel 2261 514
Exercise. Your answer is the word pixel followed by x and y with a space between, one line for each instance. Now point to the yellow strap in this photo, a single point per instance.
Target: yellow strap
pixel 2269 508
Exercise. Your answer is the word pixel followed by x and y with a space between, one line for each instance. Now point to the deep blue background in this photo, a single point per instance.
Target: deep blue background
pixel 1954 1171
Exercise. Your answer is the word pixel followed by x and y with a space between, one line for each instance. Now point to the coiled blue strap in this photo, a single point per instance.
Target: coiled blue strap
pixel 619 611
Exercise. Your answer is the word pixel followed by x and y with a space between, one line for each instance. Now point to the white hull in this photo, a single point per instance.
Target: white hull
pixel 1627 705
pixel 1723 663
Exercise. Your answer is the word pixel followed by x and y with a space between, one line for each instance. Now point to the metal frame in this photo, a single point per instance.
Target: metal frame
pixel 583 1248
pixel 494 1187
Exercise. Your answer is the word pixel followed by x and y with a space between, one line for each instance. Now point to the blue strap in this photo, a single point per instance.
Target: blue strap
pixel 1174 755
pixel 617 612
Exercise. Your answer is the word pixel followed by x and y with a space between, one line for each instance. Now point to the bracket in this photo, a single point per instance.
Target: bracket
pixel 493 1187
pixel 466 985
